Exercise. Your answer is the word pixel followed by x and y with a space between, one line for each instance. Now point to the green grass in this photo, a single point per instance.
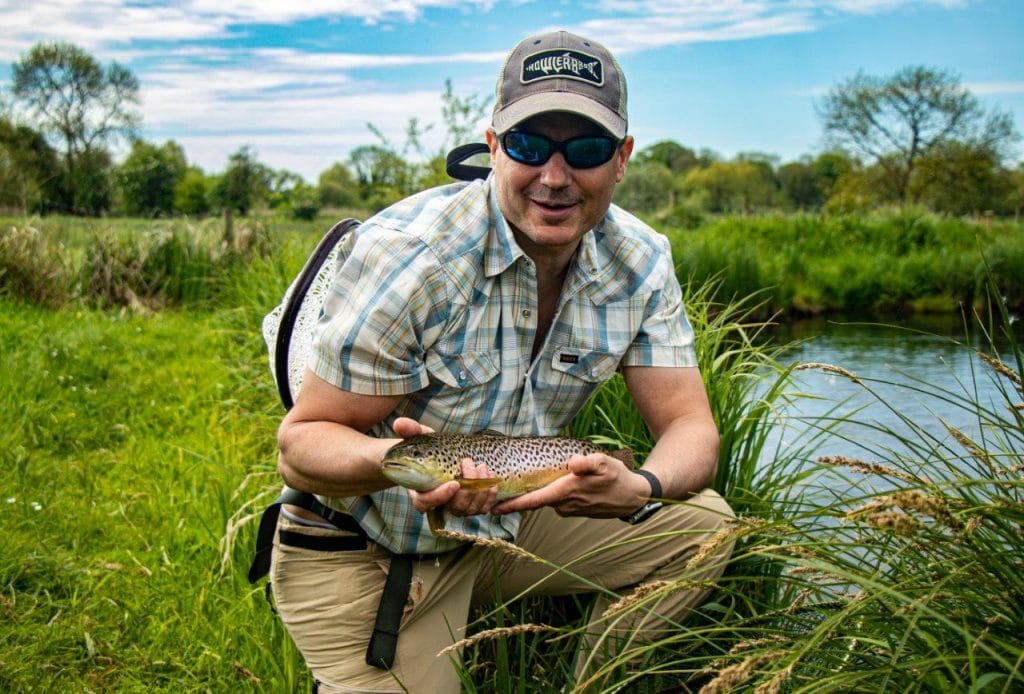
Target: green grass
pixel 124 442
pixel 137 446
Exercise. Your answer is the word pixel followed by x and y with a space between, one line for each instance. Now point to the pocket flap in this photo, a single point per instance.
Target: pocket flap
pixel 462 370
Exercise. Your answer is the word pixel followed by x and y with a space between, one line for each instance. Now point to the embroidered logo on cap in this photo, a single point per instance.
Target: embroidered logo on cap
pixel 562 63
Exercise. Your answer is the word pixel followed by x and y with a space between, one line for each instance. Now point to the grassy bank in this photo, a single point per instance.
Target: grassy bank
pixel 139 440
pixel 882 264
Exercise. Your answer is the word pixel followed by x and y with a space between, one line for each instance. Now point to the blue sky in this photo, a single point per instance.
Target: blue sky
pixel 299 80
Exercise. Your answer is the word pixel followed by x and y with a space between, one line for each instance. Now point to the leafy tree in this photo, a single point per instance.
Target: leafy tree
pixel 29 172
pixel 897 120
pixel 245 182
pixel 336 187
pixel 960 179
pixel 192 192
pixel 733 186
pixel 800 185
pixel 673 156
pixel 148 177
pixel 647 187
pixel 81 105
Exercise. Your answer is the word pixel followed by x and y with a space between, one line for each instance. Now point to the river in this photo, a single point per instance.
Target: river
pixel 919 373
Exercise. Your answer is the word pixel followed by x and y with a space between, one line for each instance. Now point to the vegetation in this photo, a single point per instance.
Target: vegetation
pixel 140 446
pixel 918 137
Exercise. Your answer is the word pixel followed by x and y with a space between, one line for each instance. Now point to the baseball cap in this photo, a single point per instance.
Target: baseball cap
pixel 560 71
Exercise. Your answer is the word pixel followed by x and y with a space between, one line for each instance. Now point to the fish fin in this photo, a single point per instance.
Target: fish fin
pixel 625 455
pixel 490 432
pixel 435 519
pixel 478 484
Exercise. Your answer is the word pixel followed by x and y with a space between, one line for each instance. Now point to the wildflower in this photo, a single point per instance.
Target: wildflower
pixel 36 506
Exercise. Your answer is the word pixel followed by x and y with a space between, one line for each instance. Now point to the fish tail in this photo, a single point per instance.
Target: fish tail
pixel 625 455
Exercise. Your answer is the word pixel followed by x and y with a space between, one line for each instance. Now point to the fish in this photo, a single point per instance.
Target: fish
pixel 520 464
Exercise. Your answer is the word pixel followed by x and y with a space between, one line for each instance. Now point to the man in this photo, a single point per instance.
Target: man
pixel 503 305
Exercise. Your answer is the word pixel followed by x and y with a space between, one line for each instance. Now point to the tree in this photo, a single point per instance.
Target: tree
pixel 647 188
pixel 29 171
pixel 897 120
pixel 192 193
pixel 336 187
pixel 80 105
pixel 245 182
pixel 148 177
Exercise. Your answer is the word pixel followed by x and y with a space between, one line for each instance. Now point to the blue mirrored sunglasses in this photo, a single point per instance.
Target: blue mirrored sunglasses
pixel 583 152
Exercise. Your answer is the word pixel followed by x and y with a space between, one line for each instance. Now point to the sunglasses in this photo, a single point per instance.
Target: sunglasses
pixel 584 152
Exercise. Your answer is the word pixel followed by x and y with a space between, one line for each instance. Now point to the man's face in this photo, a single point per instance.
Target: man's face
pixel 551 206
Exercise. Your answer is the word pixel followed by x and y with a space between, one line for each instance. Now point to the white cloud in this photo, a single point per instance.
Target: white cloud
pixel 995 88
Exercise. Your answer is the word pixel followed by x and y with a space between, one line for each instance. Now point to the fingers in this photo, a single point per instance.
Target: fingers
pixel 407 428
pixel 456 500
pixel 471 503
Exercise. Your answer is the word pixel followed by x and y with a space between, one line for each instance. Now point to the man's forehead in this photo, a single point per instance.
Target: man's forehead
pixel 570 124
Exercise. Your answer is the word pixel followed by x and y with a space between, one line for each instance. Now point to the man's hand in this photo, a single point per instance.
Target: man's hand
pixel 449 495
pixel 597 486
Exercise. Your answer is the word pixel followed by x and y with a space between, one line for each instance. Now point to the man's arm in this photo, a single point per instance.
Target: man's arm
pixel 324 448
pixel 323 445
pixel 675 407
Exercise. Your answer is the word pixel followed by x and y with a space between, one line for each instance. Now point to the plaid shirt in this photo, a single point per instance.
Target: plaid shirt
pixel 433 300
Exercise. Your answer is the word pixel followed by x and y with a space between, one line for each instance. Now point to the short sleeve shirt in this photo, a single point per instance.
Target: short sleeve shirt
pixel 433 300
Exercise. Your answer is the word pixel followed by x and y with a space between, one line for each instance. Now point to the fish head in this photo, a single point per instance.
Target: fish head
pixel 414 466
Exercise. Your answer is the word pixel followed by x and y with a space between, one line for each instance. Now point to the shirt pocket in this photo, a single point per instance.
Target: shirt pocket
pixel 576 374
pixel 463 370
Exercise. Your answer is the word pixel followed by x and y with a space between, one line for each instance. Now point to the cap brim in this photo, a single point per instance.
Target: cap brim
pixel 566 102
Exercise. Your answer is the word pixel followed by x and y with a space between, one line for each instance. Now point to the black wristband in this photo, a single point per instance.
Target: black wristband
pixel 655 484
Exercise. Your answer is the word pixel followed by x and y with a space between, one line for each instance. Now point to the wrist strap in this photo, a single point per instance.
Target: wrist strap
pixel 655 484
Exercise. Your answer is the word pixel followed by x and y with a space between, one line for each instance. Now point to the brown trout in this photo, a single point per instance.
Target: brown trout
pixel 520 464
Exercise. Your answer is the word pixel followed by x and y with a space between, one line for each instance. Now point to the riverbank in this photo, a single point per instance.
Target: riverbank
pixel 885 264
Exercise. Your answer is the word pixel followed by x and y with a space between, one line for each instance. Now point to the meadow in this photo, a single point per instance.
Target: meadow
pixel 139 443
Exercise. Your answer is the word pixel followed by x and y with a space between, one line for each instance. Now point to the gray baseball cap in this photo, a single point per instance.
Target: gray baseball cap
pixel 559 71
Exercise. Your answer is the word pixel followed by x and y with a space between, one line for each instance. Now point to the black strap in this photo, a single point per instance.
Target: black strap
pixel 291 310
pixel 322 543
pixel 260 566
pixel 384 640
pixel 455 167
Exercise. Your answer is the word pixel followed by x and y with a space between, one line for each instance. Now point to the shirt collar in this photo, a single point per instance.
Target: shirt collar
pixel 502 250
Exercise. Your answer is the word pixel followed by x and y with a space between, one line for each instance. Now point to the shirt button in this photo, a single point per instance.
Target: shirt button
pixel 526 313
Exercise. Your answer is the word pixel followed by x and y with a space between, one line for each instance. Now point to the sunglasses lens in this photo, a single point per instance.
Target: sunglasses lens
pixel 580 152
pixel 588 152
pixel 525 148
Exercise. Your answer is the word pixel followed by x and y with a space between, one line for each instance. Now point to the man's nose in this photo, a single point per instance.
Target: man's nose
pixel 555 172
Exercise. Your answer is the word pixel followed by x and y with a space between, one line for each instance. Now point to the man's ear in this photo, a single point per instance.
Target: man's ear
pixel 625 151
pixel 492 143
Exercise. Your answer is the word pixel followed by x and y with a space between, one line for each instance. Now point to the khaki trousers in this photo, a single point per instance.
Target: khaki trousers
pixel 328 600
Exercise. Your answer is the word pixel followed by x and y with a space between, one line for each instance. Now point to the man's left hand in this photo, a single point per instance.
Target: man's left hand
pixel 597 486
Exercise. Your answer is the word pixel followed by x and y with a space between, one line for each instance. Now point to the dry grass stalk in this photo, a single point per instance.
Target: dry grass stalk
pixel 642 591
pixel 498 633
pixel 908 500
pixel 899 523
pixel 976 451
pixel 734 675
pixel 493 543
pixel 829 369
pixel 773 685
pixel 710 546
pixel 999 367
pixel 870 468
pixel 799 600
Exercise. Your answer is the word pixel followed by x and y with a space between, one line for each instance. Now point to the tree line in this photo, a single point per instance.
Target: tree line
pixel 916 137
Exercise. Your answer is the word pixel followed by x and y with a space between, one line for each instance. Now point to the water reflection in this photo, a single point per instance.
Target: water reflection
pixel 918 379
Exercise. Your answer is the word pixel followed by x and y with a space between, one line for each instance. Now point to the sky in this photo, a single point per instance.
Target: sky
pixel 299 80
